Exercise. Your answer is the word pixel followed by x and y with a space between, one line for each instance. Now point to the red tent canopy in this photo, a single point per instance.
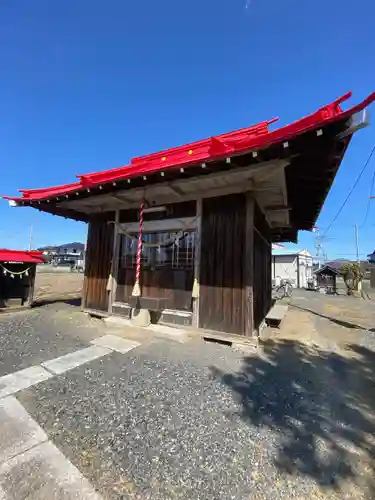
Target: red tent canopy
pixel 21 256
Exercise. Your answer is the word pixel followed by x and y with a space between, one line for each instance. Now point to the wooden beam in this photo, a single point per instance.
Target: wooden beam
pixel 176 190
pixel 87 263
pixel 180 224
pixel 32 273
pixel 262 170
pixel 197 262
pixel 358 121
pixel 249 265
pixel 174 198
pixel 122 199
pixel 61 212
pixel 277 208
pixel 115 262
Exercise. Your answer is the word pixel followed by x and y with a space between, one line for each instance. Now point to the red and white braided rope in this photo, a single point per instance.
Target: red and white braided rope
pixel 139 248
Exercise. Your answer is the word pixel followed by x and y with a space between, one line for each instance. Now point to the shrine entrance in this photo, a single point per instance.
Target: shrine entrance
pixel 167 258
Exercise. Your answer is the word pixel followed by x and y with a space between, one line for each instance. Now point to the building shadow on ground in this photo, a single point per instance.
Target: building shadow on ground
pixel 319 405
pixel 339 322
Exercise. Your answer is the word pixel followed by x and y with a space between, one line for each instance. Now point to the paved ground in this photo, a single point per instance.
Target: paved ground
pixel 171 420
pixel 349 312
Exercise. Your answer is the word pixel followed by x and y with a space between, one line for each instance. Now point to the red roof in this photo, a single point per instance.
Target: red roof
pixel 21 256
pixel 252 138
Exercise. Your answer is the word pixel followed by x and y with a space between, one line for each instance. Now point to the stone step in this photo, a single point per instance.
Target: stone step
pixel 276 315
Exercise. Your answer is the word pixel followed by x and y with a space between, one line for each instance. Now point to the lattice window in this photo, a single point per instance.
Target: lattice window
pixel 169 249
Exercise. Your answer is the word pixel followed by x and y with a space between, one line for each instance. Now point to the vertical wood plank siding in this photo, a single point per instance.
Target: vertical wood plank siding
pixel 98 265
pixel 221 301
pixel 248 265
pixel 174 285
pixel 262 268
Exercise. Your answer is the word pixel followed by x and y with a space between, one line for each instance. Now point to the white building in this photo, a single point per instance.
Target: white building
pixel 295 266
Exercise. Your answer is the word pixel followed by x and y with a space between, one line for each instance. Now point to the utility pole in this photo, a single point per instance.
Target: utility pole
pixel 359 283
pixel 31 237
pixel 318 245
pixel 356 242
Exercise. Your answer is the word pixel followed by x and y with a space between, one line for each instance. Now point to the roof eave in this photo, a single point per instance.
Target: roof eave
pixel 212 149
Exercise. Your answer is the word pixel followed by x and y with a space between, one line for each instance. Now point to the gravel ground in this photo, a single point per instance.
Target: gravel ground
pixel 198 420
pixel 33 336
pixel 158 424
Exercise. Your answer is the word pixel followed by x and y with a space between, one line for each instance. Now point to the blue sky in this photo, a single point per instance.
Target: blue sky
pixel 86 85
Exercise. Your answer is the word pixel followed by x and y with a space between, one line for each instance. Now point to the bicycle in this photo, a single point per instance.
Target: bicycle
pixel 283 290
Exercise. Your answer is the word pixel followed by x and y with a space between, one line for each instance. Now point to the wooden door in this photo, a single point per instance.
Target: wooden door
pixel 167 272
pixel 222 303
pixel 98 265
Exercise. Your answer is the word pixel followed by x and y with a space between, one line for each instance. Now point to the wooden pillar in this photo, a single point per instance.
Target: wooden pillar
pixel 115 262
pixel 32 277
pixel 249 265
pixel 87 263
pixel 372 277
pixel 298 272
pixel 197 262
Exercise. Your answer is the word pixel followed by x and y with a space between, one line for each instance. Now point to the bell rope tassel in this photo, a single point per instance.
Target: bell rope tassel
pixel 137 289
pixel 109 283
pixel 195 292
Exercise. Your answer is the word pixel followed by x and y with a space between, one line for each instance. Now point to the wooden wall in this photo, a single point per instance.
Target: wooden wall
pixel 174 285
pixel 98 265
pixel 262 255
pixel 222 293
pixel 228 301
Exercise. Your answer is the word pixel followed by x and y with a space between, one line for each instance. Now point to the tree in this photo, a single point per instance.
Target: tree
pixel 351 272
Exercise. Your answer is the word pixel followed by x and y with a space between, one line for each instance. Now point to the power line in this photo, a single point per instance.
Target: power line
pixel 347 254
pixel 351 191
pixel 369 198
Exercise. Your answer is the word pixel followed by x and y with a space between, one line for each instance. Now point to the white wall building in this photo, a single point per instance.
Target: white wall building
pixel 295 266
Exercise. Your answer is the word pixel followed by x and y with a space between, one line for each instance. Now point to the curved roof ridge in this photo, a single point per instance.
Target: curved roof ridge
pixel 232 143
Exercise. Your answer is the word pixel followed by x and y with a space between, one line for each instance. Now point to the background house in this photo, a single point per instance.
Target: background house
pixel 366 266
pixel 68 253
pixel 67 248
pixel 295 266
pixel 326 278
